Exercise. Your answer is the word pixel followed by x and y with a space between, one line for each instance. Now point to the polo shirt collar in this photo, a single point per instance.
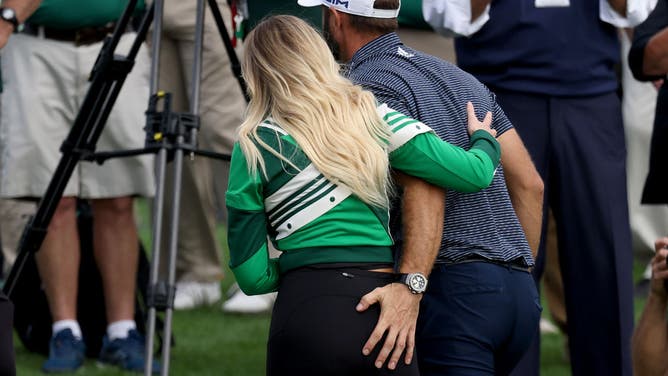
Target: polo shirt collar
pixel 378 45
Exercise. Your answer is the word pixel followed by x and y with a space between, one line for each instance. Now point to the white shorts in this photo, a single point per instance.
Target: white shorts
pixel 45 83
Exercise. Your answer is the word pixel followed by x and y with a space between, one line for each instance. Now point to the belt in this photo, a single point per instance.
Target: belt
pixel 80 37
pixel 515 264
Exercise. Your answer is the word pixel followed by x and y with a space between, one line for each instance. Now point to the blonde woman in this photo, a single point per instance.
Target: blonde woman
pixel 311 170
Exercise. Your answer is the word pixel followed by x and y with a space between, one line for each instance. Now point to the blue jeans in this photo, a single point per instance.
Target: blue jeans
pixel 476 318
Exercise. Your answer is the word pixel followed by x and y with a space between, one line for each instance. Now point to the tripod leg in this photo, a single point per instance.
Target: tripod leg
pixel 161 163
pixel 177 165
pixel 234 61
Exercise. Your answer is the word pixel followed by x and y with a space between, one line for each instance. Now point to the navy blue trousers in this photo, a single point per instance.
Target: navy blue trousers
pixel 578 147
pixel 476 318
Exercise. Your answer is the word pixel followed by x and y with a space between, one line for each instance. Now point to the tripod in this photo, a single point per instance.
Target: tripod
pixel 168 134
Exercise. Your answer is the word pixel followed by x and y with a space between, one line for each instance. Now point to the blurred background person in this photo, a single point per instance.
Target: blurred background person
pixel 198 261
pixel 43 92
pixel 559 89
pixel 648 60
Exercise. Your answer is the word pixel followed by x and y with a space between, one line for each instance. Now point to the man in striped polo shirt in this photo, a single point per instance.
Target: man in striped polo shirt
pixel 481 304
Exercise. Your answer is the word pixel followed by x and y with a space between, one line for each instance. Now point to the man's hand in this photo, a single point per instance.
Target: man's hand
pixel 398 316
pixel 650 337
pixel 660 269
pixel 6 30
pixel 23 9
pixel 475 125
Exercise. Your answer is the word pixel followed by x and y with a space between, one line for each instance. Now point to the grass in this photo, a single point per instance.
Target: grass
pixel 209 342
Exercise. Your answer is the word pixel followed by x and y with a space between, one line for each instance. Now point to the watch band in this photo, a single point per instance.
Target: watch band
pixel 416 282
pixel 9 15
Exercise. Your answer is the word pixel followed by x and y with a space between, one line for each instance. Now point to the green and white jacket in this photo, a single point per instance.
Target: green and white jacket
pixel 312 221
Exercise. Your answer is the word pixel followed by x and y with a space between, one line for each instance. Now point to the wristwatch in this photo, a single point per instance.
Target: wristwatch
pixel 9 15
pixel 416 282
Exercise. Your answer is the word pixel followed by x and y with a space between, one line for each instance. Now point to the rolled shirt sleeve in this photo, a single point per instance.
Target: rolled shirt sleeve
pixel 636 12
pixel 452 18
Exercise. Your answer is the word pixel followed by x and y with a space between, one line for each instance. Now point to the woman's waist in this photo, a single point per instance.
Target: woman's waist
pixel 334 256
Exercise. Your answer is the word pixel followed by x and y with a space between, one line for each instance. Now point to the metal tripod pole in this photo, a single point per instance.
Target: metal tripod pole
pixel 166 133
pixel 177 165
pixel 161 163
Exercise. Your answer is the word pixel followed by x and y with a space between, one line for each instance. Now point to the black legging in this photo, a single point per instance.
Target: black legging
pixel 315 329
pixel 7 362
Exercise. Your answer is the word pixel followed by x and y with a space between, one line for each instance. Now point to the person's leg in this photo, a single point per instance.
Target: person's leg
pixel 13 219
pixel 36 118
pixel 116 248
pixel 110 187
pixel 58 261
pixel 553 286
pixel 590 206
pixel 58 264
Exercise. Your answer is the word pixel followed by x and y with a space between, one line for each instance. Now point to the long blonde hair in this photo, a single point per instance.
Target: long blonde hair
pixel 293 78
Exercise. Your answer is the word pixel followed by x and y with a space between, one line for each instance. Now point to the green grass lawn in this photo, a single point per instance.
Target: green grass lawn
pixel 209 342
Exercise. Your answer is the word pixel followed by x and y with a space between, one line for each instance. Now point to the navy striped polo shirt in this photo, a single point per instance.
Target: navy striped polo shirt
pixel 435 92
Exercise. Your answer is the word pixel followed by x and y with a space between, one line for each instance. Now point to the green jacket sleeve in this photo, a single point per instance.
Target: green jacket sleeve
pixel 255 272
pixel 416 150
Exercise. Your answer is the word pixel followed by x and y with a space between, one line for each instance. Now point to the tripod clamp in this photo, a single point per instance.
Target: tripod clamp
pixel 163 128
pixel 160 296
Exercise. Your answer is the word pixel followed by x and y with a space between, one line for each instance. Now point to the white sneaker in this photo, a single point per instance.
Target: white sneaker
pixel 194 294
pixel 546 327
pixel 242 303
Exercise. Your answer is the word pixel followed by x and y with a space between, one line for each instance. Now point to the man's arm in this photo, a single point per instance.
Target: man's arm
pixel 655 61
pixel 525 186
pixel 478 7
pixel 423 209
pixel 423 206
pixel 23 9
pixel 625 13
pixel 648 63
pixel 456 17
pixel 650 339
pixel 619 6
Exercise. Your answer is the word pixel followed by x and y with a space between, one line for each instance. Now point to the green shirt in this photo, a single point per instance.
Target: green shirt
pixel 75 14
pixel 311 220
pixel 410 15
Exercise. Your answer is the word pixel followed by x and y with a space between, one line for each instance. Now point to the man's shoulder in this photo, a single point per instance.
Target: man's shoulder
pixel 409 64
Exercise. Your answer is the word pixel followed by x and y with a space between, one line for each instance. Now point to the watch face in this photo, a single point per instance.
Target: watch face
pixel 417 282
pixel 7 13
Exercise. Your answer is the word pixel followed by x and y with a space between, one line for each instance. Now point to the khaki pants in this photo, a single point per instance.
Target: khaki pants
pixel 45 82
